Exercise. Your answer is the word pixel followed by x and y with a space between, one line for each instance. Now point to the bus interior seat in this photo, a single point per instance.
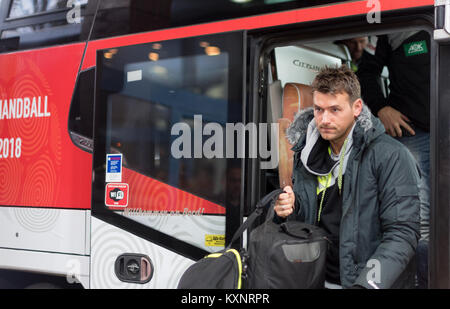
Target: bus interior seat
pixel 295 97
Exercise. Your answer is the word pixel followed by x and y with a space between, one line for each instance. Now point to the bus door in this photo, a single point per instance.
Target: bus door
pixel 166 180
pixel 439 255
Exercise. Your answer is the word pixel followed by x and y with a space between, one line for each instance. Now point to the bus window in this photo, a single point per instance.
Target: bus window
pixel 126 17
pixel 7 45
pixel 81 110
pixel 132 16
pixel 10 33
pixel 45 23
pixel 155 104
pixel 23 8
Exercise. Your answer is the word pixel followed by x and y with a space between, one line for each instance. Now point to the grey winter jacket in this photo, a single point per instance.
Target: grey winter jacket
pixel 379 227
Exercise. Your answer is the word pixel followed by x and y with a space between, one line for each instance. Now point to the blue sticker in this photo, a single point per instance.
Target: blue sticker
pixel 113 167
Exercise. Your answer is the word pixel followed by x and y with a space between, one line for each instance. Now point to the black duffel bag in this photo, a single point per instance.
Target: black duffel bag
pixel 288 255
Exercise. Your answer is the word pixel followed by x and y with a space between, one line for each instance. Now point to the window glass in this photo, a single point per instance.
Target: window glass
pixel 82 105
pixel 161 99
pixel 31 29
pixel 44 23
pixel 22 8
pixel 50 33
pixel 7 45
pixel 118 17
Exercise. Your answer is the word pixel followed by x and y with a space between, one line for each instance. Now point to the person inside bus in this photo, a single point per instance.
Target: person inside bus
pixel 405 113
pixel 357 183
pixel 357 48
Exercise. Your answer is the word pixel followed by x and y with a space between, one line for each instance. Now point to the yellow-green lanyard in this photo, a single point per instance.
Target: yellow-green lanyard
pixel 341 161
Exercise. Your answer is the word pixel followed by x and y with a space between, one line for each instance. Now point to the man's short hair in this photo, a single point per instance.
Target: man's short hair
pixel 334 80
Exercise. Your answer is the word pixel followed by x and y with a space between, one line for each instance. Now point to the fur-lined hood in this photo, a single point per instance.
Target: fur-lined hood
pixel 367 126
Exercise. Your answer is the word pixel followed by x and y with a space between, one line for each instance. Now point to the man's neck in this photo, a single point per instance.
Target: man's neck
pixel 336 145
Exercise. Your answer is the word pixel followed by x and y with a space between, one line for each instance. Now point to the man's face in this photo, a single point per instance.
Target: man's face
pixel 356 47
pixel 334 115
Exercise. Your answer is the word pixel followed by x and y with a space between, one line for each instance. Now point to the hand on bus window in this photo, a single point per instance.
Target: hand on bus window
pixel 284 206
pixel 393 120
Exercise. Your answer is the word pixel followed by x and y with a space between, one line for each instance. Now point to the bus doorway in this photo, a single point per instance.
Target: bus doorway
pixel 290 66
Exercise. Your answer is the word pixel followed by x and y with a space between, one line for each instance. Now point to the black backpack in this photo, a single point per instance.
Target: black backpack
pixel 290 255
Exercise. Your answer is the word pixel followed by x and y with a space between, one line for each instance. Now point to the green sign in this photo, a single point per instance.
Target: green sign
pixel 415 48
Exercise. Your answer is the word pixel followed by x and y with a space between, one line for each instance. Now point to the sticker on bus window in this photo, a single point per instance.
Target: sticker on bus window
pixel 116 195
pixel 215 240
pixel 114 167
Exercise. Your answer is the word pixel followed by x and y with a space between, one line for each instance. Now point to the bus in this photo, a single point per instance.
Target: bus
pixel 136 136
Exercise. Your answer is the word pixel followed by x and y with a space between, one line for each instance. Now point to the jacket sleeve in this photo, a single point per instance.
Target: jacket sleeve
pixel 369 73
pixel 398 177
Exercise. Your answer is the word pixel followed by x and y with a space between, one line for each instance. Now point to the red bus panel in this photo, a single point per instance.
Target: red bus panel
pixel 39 164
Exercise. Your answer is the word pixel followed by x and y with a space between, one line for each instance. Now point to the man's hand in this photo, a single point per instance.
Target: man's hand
pixel 284 205
pixel 393 120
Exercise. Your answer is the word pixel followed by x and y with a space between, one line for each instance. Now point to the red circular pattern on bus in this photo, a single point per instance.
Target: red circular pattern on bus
pixel 10 181
pixel 40 186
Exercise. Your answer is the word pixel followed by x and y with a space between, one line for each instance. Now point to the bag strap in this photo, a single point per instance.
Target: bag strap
pixel 263 203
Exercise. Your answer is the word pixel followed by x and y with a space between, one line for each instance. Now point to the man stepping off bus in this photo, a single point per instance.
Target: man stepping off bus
pixel 357 183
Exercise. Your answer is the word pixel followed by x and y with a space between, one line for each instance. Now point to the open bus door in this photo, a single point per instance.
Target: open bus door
pixel 165 192
pixel 439 255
